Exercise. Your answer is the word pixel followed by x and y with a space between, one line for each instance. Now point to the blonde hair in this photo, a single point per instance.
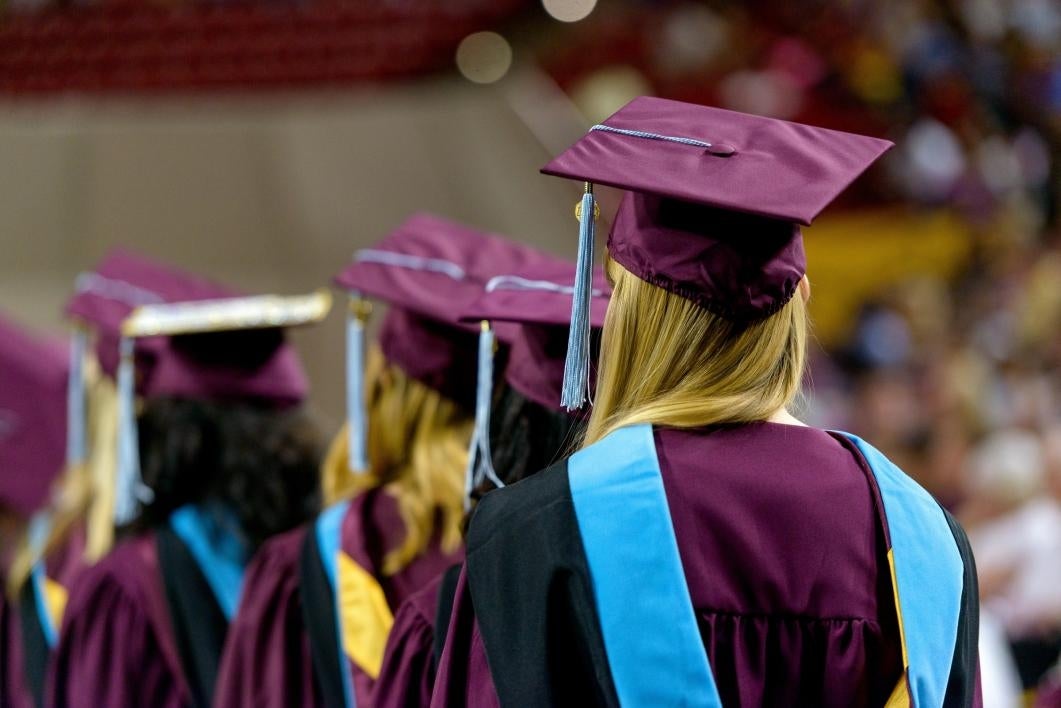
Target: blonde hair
pixel 417 450
pixel 668 361
pixel 85 492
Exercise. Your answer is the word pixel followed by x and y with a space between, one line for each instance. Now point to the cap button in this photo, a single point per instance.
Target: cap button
pixel 721 150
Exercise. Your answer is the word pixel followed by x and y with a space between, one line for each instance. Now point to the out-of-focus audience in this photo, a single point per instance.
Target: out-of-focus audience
pixel 968 399
pixel 970 403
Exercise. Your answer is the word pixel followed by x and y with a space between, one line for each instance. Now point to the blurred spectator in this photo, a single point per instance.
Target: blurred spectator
pixel 1015 531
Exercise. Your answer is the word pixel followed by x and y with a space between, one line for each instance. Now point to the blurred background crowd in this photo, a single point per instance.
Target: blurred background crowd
pixel 937 280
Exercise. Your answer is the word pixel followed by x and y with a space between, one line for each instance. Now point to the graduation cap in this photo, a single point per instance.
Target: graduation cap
pixel 714 204
pixel 530 309
pixel 164 332
pixel 428 269
pixel 33 384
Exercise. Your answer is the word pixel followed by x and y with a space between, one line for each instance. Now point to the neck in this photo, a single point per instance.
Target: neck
pixel 781 415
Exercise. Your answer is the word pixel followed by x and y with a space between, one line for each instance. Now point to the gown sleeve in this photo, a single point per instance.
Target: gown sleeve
pixel 13 690
pixel 407 674
pixel 463 677
pixel 523 629
pixel 109 651
pixel 267 661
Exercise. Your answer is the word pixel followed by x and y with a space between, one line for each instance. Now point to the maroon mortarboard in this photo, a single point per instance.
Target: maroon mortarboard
pixel 535 303
pixel 105 296
pixel 229 348
pixel 193 339
pixel 32 416
pixel 246 363
pixel 530 311
pixel 120 283
pixel 434 266
pixel 428 269
pixel 714 204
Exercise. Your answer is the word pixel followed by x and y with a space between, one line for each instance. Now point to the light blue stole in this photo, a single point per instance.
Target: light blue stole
pixel 327 530
pixel 646 615
pixel 40 527
pixel 212 536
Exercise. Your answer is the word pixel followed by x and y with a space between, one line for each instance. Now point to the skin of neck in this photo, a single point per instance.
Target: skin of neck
pixel 782 416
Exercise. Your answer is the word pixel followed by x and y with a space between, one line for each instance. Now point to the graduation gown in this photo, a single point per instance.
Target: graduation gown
pixel 737 566
pixel 267 659
pixel 40 605
pixel 145 626
pixel 13 690
pixel 414 645
pixel 312 626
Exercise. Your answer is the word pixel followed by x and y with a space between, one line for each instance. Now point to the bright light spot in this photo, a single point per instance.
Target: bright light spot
pixel 765 93
pixel 569 10
pixel 691 37
pixel 484 57
pixel 606 90
pixel 935 159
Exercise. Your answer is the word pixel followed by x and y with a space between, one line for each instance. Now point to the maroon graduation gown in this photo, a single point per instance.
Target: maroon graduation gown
pixel 14 693
pixel 267 660
pixel 1049 694
pixel 269 633
pixel 785 561
pixel 407 675
pixel 62 564
pixel 463 675
pixel 116 647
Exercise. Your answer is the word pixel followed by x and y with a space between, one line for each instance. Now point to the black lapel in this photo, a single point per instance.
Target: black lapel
pixel 531 592
pixel 961 687
pixel 199 626
pixel 318 613
pixel 35 648
pixel 447 591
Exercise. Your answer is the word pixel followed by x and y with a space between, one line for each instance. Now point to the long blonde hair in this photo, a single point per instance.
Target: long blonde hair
pixel 668 361
pixel 85 492
pixel 417 450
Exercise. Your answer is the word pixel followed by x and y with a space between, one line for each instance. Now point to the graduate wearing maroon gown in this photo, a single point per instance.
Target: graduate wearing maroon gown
pixel 269 654
pixel 724 564
pixel 227 460
pixel 295 641
pixel 13 690
pixel 529 312
pixel 33 387
pixel 407 675
pixel 758 610
pixel 42 598
pixel 369 526
pixel 116 645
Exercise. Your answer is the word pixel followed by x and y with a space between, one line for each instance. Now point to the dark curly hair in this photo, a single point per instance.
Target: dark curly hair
pixel 261 461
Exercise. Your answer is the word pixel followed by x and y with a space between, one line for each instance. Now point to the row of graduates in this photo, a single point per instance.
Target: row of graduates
pixel 225 585
pixel 685 542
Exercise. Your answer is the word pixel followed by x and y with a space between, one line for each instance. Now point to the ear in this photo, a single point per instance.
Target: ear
pixel 804 288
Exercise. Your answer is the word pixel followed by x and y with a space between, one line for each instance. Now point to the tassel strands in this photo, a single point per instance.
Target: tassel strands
pixel 357 420
pixel 575 391
pixel 480 458
pixel 130 491
pixel 76 447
